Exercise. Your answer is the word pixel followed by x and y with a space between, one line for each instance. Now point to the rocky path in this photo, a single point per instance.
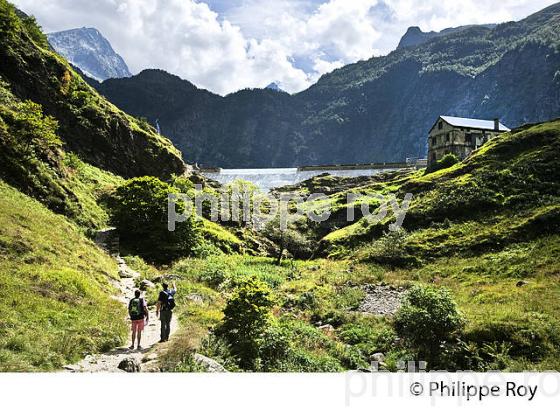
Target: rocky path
pixel 129 360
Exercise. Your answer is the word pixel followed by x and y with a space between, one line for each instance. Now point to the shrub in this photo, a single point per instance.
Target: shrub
pixel 32 131
pixel 447 161
pixel 247 317
pixel 140 213
pixel 428 318
pixel 288 239
pixel 389 250
pixel 34 31
pixel 368 337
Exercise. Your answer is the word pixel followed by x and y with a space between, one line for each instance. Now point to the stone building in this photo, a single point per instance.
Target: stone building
pixel 460 136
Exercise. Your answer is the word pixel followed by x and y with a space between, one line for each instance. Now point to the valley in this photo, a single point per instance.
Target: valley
pixel 471 281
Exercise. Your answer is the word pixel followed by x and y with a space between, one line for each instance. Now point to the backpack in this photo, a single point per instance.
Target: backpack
pixel 170 303
pixel 136 309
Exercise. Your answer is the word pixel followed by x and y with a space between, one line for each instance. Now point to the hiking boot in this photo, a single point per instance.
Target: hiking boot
pixel 131 347
pixel 139 347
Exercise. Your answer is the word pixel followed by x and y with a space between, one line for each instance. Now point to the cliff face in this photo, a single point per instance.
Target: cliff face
pixel 375 110
pixel 87 49
pixel 89 125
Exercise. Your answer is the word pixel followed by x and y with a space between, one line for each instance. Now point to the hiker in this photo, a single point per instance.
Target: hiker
pixel 164 309
pixel 138 311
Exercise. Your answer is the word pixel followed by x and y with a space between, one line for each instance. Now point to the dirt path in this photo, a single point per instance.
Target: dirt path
pixel 147 357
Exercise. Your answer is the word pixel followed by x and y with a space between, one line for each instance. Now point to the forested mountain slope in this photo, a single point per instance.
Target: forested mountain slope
pixel 375 110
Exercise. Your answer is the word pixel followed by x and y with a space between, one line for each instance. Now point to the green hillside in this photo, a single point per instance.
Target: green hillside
pixel 506 192
pixel 55 289
pixel 89 126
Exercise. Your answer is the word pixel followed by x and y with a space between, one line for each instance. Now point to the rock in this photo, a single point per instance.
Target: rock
pixel 381 299
pixel 149 358
pixel 126 272
pixel 210 365
pixel 377 357
pixel 130 365
pixel 164 278
pixel 521 283
pixel 145 284
pixel 327 329
pixel 193 297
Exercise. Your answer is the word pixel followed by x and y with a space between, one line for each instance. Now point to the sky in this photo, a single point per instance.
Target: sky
pixel 227 45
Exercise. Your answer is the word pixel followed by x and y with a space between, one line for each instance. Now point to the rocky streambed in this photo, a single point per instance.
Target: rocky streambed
pixel 381 299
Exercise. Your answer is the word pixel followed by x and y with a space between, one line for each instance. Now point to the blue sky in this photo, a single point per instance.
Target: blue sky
pixel 226 45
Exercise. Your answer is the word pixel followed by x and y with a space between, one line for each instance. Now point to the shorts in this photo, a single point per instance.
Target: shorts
pixel 138 325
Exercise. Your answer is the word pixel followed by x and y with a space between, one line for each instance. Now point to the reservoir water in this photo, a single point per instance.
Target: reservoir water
pixel 268 178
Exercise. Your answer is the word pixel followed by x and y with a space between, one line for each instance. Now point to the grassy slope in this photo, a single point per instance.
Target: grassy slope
pixel 508 191
pixel 525 318
pixel 54 284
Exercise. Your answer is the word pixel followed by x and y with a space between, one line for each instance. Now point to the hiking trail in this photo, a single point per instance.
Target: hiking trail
pixel 146 358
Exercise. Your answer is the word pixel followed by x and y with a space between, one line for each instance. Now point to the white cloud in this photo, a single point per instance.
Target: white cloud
pixel 253 43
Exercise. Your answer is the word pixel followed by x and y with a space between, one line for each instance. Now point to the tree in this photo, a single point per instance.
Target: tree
pixel 247 317
pixel 289 239
pixel 428 318
pixel 34 132
pixel 139 211
pixel 239 191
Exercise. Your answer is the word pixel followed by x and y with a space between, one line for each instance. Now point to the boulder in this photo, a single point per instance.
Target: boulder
pixel 126 272
pixel 149 357
pixel 327 329
pixel 377 357
pixel 196 298
pixel 209 365
pixel 145 284
pixel 130 365
pixel 166 278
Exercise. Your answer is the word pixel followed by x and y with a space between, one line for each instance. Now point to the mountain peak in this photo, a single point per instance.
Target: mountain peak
pixel 414 36
pixel 274 86
pixel 90 51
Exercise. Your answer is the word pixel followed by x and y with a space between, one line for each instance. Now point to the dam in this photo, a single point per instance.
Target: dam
pixel 269 178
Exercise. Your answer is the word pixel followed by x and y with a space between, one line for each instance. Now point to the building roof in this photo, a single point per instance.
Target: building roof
pixel 472 123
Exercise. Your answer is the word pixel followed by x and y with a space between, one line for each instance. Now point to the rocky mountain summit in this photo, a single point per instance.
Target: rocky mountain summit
pixel 87 49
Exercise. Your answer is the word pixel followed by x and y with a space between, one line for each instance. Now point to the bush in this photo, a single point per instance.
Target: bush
pixel 289 239
pixel 427 319
pixel 389 250
pixel 447 161
pixel 368 337
pixel 140 213
pixel 247 318
pixel 32 132
pixel 34 31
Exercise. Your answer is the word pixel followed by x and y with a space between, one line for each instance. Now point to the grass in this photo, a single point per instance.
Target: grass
pixel 498 307
pixel 89 184
pixel 55 288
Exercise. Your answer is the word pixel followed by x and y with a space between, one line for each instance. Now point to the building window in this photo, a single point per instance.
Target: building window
pixel 468 139
pixel 440 125
pixel 448 137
